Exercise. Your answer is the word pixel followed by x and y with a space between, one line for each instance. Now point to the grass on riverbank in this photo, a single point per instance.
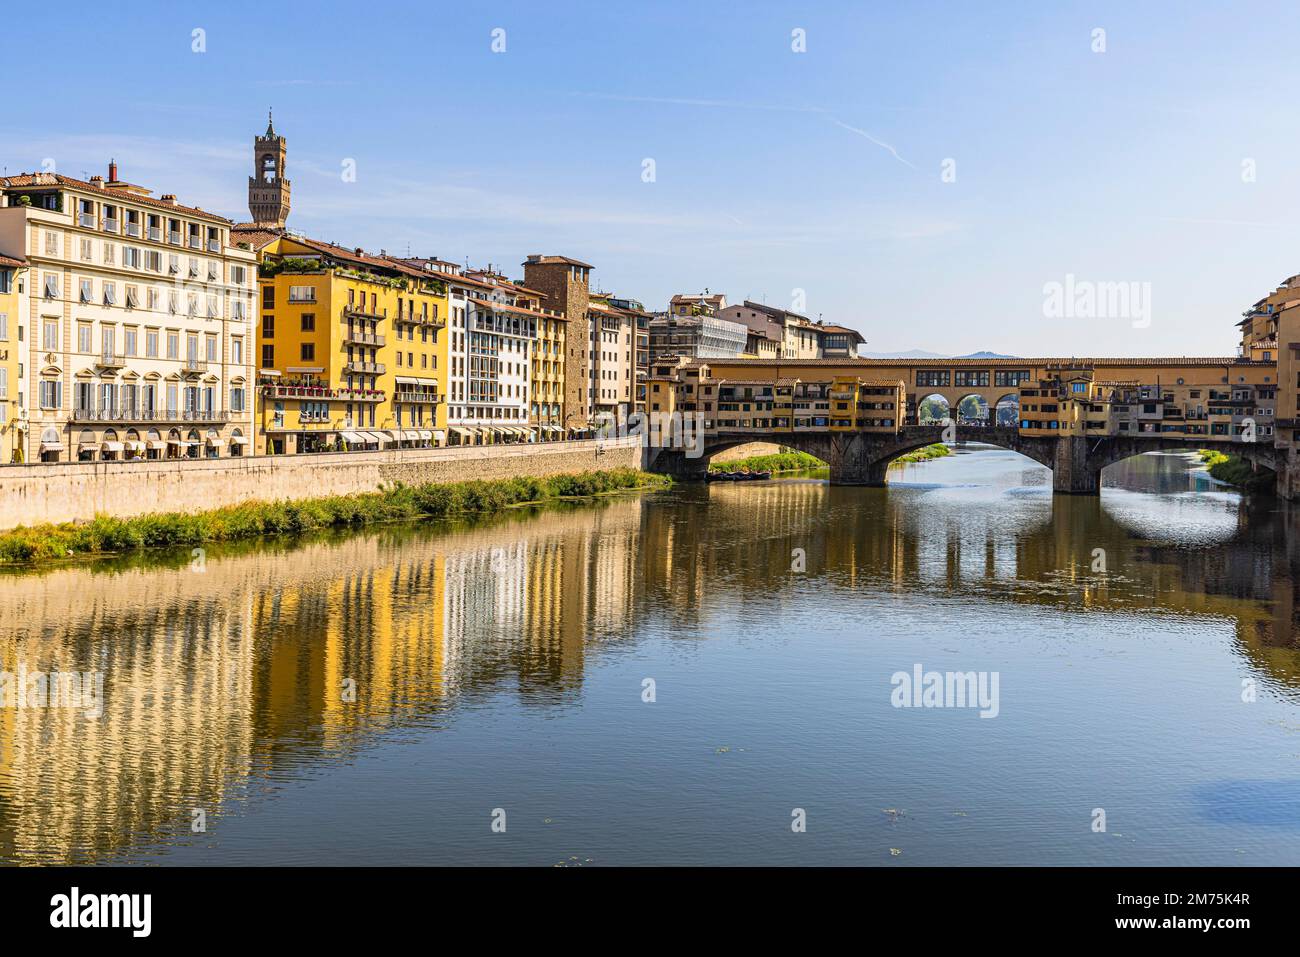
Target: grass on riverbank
pixel 787 460
pixel 105 535
pixel 936 451
pixel 1231 469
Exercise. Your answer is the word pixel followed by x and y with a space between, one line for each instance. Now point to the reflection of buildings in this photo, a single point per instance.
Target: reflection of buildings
pixel 217 680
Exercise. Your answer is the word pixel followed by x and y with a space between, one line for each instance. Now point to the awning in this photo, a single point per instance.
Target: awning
pixel 215 442
pixel 112 446
pixel 463 433
pixel 183 443
pixel 414 380
pixel 155 444
pixel 51 446
pixel 355 437
pixel 135 446
pixel 425 435
pixel 378 437
pixel 439 436
pixel 239 440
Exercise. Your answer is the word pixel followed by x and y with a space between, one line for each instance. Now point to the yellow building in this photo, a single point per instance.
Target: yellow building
pixel 350 351
pixel 546 413
pixel 13 421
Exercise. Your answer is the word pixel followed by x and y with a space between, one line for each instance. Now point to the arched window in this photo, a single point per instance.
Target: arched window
pixel 268 168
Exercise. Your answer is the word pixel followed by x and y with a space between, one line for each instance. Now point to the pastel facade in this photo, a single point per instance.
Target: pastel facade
pixel 133 322
pixel 13 410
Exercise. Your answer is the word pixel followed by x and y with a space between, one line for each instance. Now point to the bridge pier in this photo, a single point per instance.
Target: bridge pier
pixel 1072 474
pixel 856 460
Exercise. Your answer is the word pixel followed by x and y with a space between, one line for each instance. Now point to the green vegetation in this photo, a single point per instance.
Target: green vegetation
pixel 1231 469
pixel 787 460
pixel 936 451
pixel 105 535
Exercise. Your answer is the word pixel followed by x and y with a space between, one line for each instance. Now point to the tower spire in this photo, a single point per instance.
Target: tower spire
pixel 270 125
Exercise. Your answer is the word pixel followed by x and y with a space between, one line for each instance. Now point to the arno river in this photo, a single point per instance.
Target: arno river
pixel 502 666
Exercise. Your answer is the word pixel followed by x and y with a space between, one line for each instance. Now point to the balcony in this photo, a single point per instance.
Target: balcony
pixel 365 368
pixel 214 245
pixel 174 238
pixel 195 242
pixel 417 396
pixel 111 360
pixel 353 336
pixel 361 312
pixel 155 234
pixel 321 393
pixel 110 225
pixel 86 220
pixel 125 414
pixel 133 229
pixel 196 366
pixel 422 321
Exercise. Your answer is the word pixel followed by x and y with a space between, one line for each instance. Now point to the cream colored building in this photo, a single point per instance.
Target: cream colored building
pixel 136 316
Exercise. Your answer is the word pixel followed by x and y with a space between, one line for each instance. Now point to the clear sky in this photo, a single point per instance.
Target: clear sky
pixel 774 170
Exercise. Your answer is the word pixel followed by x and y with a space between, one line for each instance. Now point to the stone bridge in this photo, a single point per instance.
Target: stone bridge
pixel 862 458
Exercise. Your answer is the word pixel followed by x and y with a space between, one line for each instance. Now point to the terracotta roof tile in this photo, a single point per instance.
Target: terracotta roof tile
pixel 23 180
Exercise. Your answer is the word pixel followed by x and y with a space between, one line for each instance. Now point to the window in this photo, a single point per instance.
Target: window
pixel 4 327
pixel 237 351
pixel 110 254
pixel 131 257
pixel 268 326
pixel 130 336
pixel 268 357
pixel 87 250
pixel 308 351
pixel 238 275
pixel 110 294
pixel 50 393
pixel 87 291
pixel 236 398
pixel 151 343
pixel 50 335
pixel 268 297
pixel 173 345
pixel 51 243
pixel 83 337
pixel 309 322
pixel 212 348
pixel 51 286
pixel 302 293
pixel 153 260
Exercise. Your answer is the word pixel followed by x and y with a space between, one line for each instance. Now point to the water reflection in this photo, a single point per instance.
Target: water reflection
pixel 279 660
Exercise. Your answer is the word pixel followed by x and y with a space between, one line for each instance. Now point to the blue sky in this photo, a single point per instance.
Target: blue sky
pixel 775 171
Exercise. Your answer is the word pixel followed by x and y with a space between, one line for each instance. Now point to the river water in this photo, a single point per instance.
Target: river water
pixel 388 696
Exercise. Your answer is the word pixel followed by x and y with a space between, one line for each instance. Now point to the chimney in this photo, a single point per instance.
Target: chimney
pixel 112 171
pixel 97 181
pixel 169 198
pixel 534 257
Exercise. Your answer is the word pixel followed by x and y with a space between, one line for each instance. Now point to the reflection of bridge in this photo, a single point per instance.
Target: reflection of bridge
pixel 1075 416
pixel 863 458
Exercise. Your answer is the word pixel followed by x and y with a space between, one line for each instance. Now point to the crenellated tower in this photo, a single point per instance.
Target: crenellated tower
pixel 268 190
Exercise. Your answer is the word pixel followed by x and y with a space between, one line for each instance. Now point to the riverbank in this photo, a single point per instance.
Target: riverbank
pixel 106 535
pixel 1230 469
pixel 936 451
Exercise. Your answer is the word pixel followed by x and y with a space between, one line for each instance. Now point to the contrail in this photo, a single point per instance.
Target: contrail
pixel 865 135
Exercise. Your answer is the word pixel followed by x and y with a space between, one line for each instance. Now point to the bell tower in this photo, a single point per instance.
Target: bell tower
pixel 268 190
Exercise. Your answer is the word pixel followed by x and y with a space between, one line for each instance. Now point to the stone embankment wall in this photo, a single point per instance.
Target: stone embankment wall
pixel 74 491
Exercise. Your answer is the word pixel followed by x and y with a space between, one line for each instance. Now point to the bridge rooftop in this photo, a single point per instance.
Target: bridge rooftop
pixel 1018 361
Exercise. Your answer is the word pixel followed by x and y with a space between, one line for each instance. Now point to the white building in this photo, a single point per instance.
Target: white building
pixel 135 322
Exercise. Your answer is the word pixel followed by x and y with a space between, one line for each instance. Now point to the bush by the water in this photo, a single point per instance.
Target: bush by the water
pixel 1231 469
pixel 103 534
pixel 786 460
pixel 936 451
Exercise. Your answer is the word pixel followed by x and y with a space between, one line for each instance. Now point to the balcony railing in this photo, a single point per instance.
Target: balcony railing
pixel 360 311
pixel 355 336
pixel 418 396
pixel 174 238
pixel 195 242
pixel 196 365
pixel 365 368
pixel 214 245
pixel 111 360
pixel 133 229
pixel 155 234
pixel 110 225
pixel 86 220
pixel 125 414
pixel 322 393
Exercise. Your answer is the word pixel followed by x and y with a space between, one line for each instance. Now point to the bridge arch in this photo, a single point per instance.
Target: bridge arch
pixel 927 408
pixel 1006 410
pixel 962 411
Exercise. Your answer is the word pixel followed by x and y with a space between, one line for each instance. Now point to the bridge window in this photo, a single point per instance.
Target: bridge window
pixel 967 378
pixel 931 377
pixel 1010 377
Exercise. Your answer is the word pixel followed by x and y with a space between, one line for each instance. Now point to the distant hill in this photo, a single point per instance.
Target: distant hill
pixel 922 354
